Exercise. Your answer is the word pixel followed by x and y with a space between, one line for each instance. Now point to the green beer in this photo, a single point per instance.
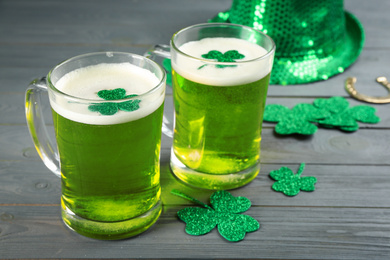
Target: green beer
pixel 109 163
pixel 218 111
pixel 218 129
pixel 110 172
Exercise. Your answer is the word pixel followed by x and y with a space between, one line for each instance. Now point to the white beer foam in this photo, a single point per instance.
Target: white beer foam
pixel 227 76
pixel 86 82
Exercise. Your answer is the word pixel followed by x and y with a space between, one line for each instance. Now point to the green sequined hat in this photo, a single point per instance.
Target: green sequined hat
pixel 315 39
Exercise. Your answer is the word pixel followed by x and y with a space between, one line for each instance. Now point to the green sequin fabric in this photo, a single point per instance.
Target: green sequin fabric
pixel 315 39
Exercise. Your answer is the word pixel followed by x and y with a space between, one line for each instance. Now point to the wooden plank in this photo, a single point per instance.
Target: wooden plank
pixel 285 233
pixel 13 110
pixel 40 59
pixel 40 52
pixel 346 217
pixel 30 182
pixel 374 19
pixel 337 186
pixel 90 22
pixel 327 146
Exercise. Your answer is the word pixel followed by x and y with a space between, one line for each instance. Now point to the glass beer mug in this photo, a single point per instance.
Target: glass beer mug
pixel 107 112
pixel 220 76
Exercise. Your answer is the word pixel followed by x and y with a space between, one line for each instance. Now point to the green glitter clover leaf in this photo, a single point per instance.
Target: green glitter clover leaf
pixel 289 183
pixel 329 113
pixel 297 120
pixel 224 214
pixel 109 108
pixel 229 56
pixel 343 116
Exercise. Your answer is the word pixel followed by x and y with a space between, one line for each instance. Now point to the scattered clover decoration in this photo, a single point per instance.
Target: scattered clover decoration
pixel 110 108
pixel 329 113
pixel 224 214
pixel 344 117
pixel 289 183
pixel 297 120
pixel 229 56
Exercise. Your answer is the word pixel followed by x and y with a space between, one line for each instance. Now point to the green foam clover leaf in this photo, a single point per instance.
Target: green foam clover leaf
pixel 106 108
pixel 224 214
pixel 130 105
pixel 296 120
pixel 345 117
pixel 114 94
pixel 291 184
pixel 229 56
pixel 110 108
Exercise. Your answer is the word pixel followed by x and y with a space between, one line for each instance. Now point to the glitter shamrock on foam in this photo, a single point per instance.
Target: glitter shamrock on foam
pixel 110 108
pixel 289 183
pixel 224 214
pixel 330 113
pixel 229 56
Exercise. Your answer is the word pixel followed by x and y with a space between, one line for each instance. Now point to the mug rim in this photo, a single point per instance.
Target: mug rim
pixel 108 54
pixel 265 56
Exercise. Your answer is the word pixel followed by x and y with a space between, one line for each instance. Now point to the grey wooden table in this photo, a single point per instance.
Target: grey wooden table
pixel 346 217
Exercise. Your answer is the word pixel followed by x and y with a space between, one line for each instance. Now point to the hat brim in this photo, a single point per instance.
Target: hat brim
pixel 289 71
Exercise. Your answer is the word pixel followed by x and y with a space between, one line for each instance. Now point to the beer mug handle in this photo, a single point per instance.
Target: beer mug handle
pixel 162 51
pixel 36 125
